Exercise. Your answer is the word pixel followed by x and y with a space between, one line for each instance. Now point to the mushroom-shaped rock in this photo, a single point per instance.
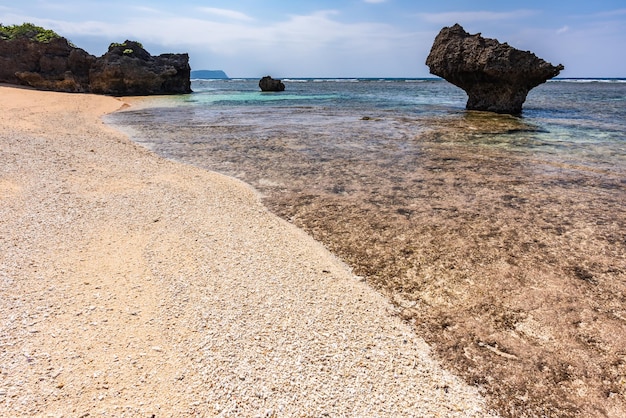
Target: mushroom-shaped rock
pixel 495 76
pixel 267 83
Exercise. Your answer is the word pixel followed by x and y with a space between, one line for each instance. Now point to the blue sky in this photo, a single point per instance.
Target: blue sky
pixel 339 38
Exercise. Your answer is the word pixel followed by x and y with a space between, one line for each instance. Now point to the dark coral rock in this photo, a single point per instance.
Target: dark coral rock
pixel 268 83
pixel 54 65
pixel 128 69
pixel 495 76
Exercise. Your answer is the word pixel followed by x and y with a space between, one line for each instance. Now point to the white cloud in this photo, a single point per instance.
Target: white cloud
pixel 317 30
pixel 314 44
pixel 322 43
pixel 230 14
pixel 478 16
pixel 562 30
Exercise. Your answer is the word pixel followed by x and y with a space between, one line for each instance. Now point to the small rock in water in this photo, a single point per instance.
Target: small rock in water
pixel 268 83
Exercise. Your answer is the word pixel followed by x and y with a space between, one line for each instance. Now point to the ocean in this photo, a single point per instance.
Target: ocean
pixel 484 230
pixel 579 119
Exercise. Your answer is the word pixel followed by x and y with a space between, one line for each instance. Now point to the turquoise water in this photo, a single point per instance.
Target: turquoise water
pixel 579 121
pixel 390 94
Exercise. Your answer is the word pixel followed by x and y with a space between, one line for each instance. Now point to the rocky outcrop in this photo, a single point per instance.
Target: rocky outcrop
pixel 53 65
pixel 126 69
pixel 495 76
pixel 267 83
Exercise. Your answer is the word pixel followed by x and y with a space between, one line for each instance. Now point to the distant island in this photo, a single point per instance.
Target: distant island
pixel 209 74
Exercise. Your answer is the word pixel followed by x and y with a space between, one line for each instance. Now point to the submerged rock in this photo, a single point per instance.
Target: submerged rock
pixel 267 83
pixel 495 76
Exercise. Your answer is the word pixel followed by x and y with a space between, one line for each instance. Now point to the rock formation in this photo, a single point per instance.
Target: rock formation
pixel 267 83
pixel 495 76
pixel 53 65
pixel 126 69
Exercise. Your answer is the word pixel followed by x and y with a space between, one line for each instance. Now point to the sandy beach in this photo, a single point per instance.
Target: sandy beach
pixel 135 286
pixel 500 238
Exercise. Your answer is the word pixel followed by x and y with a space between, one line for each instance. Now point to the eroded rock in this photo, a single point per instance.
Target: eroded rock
pixel 268 83
pixel 54 65
pixel 128 69
pixel 495 76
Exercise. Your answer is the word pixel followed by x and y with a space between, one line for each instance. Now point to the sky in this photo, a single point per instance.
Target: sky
pixel 335 38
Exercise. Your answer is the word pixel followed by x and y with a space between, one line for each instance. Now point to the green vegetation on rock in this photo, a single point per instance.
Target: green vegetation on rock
pixel 123 44
pixel 28 31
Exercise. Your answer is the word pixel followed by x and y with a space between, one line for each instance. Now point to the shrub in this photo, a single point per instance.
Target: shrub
pixel 124 45
pixel 28 31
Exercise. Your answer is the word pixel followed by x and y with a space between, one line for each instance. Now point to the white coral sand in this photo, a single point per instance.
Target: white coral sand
pixel 135 286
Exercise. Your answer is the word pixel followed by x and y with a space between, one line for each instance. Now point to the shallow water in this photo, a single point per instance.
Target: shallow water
pixel 580 122
pixel 486 230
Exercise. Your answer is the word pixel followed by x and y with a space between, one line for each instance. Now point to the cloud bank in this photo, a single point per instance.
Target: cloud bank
pixel 369 38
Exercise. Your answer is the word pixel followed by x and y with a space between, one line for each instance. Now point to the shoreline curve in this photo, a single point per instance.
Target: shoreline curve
pixel 134 285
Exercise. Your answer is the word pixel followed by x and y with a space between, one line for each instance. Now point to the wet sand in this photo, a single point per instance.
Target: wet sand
pixel 511 263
